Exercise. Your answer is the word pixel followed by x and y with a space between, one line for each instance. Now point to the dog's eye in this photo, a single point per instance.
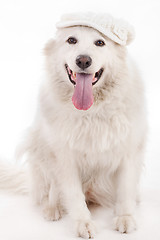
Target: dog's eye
pixel 99 43
pixel 72 40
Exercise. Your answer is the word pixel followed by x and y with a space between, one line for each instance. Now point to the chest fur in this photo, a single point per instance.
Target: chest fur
pixel 91 134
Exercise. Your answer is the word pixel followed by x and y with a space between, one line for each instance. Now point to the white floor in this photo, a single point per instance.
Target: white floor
pixel 20 220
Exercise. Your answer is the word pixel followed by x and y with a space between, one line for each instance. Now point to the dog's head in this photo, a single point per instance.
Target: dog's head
pixel 83 65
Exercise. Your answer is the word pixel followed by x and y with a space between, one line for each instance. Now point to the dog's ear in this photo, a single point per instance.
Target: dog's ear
pixel 49 47
pixel 123 33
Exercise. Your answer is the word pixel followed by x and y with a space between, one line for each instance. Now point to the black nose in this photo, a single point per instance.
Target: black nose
pixel 83 61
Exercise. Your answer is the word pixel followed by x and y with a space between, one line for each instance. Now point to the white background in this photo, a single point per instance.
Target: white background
pixel 25 26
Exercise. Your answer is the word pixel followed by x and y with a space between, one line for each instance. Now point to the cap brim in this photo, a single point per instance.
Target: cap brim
pixel 107 32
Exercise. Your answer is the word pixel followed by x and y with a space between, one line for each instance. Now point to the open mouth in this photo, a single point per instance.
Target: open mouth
pixel 73 76
pixel 83 87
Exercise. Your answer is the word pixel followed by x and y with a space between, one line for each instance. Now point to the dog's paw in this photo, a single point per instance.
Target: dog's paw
pixel 86 229
pixel 124 224
pixel 52 214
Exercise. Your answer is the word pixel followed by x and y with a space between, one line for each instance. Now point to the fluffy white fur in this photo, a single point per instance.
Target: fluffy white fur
pixel 88 156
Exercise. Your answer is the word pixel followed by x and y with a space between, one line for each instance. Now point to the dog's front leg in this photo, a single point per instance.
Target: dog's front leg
pixel 126 189
pixel 73 198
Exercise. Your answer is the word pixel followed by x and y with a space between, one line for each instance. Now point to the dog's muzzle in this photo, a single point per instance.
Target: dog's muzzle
pixel 83 82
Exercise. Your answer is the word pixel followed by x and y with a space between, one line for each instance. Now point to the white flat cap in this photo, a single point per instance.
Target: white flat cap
pixel 117 30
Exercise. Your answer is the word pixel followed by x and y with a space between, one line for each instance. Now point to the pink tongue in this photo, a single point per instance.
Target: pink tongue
pixel 83 96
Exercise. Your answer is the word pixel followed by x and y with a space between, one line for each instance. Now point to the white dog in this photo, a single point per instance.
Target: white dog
pixel 87 141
